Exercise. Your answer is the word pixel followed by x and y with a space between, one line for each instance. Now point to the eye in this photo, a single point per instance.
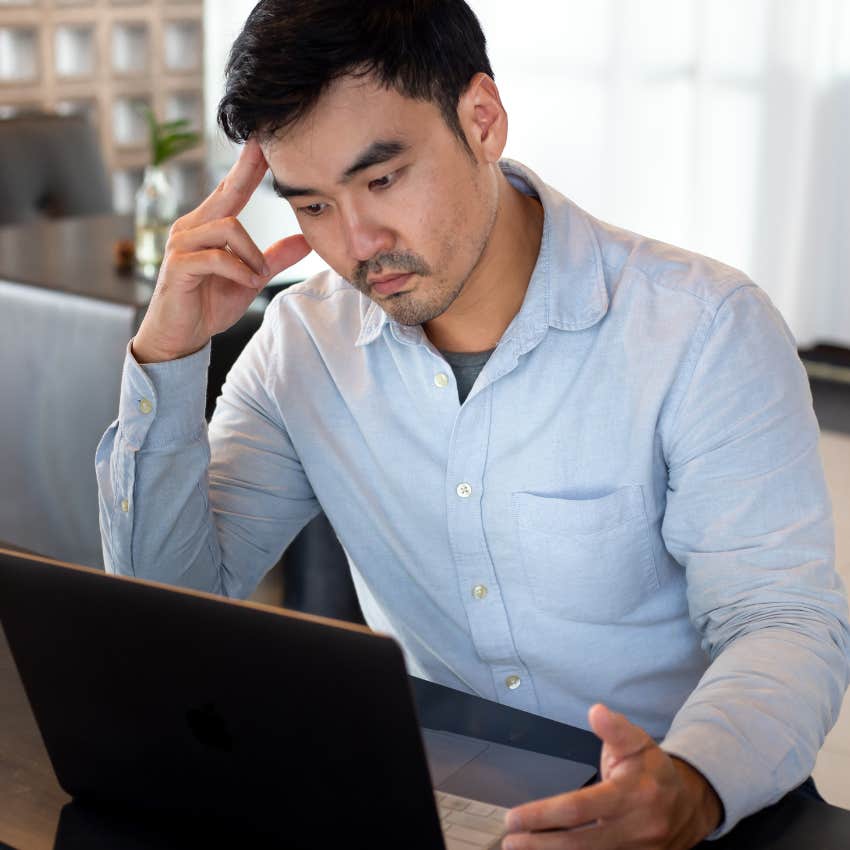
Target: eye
pixel 384 182
pixel 313 209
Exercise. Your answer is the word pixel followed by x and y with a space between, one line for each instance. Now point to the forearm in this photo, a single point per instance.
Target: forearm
pixel 155 523
pixel 754 724
pixel 152 472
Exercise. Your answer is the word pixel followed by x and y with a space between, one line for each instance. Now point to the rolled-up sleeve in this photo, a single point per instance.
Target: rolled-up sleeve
pixel 160 431
pixel 748 516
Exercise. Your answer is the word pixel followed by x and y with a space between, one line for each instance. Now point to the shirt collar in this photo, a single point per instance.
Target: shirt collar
pixel 567 287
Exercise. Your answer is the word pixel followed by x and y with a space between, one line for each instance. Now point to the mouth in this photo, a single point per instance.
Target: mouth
pixel 389 285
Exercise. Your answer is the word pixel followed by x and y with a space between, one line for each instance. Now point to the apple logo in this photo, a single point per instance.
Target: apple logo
pixel 209 728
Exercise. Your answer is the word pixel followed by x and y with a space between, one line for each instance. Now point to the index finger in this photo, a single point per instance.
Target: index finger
pixel 567 811
pixel 235 190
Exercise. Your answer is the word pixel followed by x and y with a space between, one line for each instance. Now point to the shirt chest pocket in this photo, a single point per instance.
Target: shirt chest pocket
pixel 586 559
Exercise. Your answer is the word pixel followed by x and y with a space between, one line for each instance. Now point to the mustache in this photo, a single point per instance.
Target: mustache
pixel 403 262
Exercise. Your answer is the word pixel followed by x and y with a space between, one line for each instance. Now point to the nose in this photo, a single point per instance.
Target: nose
pixel 365 237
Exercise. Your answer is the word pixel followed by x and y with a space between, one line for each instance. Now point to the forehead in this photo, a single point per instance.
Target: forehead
pixel 348 118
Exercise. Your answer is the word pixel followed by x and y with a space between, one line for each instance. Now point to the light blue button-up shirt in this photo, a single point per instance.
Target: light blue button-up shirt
pixel 633 481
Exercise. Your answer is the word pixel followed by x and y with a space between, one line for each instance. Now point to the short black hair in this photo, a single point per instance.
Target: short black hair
pixel 290 51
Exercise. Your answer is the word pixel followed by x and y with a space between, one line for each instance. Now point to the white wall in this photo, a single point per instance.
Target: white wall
pixel 267 218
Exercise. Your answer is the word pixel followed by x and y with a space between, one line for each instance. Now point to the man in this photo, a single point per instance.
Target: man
pixel 622 503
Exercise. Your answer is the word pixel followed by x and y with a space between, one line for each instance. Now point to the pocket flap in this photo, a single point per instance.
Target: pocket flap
pixel 557 515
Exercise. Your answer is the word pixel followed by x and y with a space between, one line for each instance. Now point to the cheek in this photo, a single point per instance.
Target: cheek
pixel 459 224
pixel 326 243
pixel 437 222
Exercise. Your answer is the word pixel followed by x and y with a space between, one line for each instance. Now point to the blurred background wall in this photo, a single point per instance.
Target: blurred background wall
pixel 107 60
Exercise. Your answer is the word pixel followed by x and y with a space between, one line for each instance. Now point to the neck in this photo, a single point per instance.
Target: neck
pixel 493 293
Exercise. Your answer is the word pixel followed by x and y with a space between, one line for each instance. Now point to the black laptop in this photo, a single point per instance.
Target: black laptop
pixel 287 726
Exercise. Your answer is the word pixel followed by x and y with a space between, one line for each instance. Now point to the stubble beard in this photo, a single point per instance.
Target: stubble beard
pixel 433 295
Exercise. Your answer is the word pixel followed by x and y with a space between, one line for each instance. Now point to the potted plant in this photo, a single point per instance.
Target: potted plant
pixel 156 200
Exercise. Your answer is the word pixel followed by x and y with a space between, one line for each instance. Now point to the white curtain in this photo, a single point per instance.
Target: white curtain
pixel 719 125
pixel 722 126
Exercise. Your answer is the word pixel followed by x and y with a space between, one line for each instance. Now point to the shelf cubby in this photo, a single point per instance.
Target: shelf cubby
pixel 74 50
pixel 129 128
pixel 105 58
pixel 19 54
pixel 130 48
pixel 11 110
pixel 80 106
pixel 125 182
pixel 186 178
pixel 186 105
pixel 182 46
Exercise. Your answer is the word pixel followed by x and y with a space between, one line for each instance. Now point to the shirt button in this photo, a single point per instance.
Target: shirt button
pixel 125 505
pixel 479 591
pixel 145 406
pixel 464 490
pixel 441 379
pixel 513 682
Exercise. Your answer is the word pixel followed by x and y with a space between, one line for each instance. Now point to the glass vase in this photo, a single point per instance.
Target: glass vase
pixel 156 210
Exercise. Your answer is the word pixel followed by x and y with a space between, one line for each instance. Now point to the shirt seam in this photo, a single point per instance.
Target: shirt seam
pixel 654 281
pixel 698 349
pixel 274 364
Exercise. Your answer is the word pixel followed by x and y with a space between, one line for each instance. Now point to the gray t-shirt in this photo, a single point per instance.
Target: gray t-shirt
pixel 466 366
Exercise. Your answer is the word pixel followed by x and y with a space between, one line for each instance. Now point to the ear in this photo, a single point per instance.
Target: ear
pixel 483 118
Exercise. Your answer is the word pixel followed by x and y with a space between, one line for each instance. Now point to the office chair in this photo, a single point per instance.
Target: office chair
pixel 50 165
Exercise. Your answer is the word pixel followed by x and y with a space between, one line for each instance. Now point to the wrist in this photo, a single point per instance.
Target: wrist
pixel 705 802
pixel 143 352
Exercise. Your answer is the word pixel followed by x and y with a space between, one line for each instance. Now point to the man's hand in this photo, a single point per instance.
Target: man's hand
pixel 212 270
pixel 646 799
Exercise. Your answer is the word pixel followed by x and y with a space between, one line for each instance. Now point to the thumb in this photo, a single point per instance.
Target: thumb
pixel 286 252
pixel 620 737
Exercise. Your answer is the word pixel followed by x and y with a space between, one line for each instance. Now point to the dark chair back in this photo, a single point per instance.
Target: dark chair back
pixel 50 165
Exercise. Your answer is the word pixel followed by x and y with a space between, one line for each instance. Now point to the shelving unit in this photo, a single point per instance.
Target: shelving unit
pixel 105 58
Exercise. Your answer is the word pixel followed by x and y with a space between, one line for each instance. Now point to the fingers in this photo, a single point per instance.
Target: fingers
pixel 285 253
pixel 235 190
pixel 583 838
pixel 620 737
pixel 224 247
pixel 567 811
pixel 631 830
pixel 637 805
pixel 217 261
pixel 223 233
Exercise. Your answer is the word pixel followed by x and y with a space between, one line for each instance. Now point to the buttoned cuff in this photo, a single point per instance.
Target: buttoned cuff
pixel 163 404
pixel 735 774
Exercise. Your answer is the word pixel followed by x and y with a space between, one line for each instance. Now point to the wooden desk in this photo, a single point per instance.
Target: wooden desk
pixel 30 796
pixel 35 814
pixel 74 256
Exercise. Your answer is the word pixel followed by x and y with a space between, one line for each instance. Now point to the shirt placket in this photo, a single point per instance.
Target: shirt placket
pixel 478 586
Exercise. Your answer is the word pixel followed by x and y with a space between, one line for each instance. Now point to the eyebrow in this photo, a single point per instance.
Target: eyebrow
pixel 378 152
pixel 375 154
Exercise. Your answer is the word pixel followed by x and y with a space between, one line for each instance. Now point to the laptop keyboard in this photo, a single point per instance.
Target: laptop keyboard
pixel 468 824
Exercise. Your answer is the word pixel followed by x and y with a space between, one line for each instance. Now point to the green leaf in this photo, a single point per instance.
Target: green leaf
pixel 174 126
pixel 169 138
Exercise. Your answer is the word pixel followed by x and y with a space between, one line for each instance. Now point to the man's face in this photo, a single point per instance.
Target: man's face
pixel 387 195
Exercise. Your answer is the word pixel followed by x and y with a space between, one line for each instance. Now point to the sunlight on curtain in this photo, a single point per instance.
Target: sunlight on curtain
pixel 722 126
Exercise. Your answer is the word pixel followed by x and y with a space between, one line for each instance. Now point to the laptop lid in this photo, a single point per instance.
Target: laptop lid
pixel 289 725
